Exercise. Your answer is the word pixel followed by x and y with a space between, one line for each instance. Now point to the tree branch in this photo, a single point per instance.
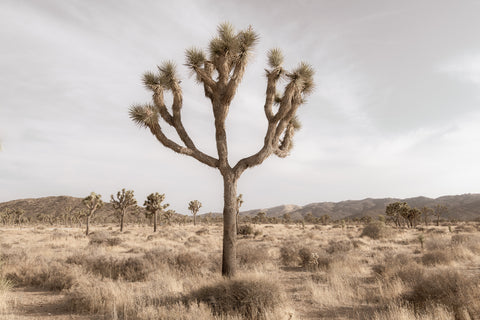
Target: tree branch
pixel 206 159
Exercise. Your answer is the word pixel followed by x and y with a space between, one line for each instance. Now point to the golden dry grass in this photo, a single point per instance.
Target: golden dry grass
pixel 286 272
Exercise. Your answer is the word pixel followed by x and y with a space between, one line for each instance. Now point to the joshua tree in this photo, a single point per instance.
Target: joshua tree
pixel 396 211
pixel 92 202
pixel 168 216
pixel 426 212
pixel 239 204
pixel 153 205
pixel 220 74
pixel 194 206
pixel 261 216
pixel 439 210
pixel 125 200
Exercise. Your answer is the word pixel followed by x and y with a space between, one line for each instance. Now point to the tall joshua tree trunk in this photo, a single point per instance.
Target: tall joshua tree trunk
pixel 229 225
pixel 88 223
pixel 220 74
pixel 155 221
pixel 122 217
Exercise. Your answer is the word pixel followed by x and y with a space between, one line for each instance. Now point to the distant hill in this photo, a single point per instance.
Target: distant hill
pixel 461 207
pixel 56 206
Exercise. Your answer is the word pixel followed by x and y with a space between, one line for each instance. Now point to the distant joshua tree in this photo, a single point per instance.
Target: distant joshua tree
pixel 438 211
pixel 287 218
pixel 92 202
pixel 153 205
pixel 220 75
pixel 426 212
pixel 194 206
pixel 124 200
pixel 239 204
pixel 168 216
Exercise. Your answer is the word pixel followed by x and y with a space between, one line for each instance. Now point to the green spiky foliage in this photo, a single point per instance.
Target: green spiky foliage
pixel 123 201
pixel 194 206
pixel 93 202
pixel 153 205
pixel 220 69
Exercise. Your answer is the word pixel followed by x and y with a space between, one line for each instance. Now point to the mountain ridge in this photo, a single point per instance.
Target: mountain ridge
pixel 460 207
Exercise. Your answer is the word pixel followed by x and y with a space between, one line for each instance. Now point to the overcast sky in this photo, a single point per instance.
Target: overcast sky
pixel 395 112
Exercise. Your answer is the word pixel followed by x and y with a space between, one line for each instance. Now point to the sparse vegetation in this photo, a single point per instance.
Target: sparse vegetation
pixel 312 272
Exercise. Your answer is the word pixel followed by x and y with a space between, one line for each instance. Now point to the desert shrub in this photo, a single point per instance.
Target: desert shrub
pixel 202 231
pixel 436 257
pixel 289 255
pixel 400 266
pixel 245 230
pixel 52 275
pixel 313 260
pixel 458 292
pixel 437 243
pixel 465 228
pixel 249 255
pixel 339 246
pixel 191 262
pixel 459 239
pixel 103 238
pixel 375 230
pixel 248 298
pixel 129 269
pixel 257 233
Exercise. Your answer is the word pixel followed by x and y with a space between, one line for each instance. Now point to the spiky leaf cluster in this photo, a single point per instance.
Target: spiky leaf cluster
pixel 234 46
pixel 303 77
pixel 144 115
pixel 275 58
pixel 195 58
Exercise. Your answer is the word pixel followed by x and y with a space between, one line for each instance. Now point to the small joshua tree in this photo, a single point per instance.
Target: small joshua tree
pixel 124 200
pixel 92 202
pixel 426 213
pixel 194 206
pixel 239 204
pixel 438 211
pixel 168 216
pixel 153 205
pixel 220 74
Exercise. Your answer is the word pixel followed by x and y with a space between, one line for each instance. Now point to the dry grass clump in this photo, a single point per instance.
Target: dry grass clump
pixel 375 230
pixel 38 272
pixel 129 269
pixel 247 298
pixel 245 230
pixel 5 287
pixel 249 255
pixel 289 255
pixel 339 246
pixel 436 257
pixel 103 238
pixel 293 255
pixel 458 292
pixel 396 311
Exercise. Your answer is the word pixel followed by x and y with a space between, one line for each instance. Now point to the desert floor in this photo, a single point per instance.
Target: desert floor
pixel 285 272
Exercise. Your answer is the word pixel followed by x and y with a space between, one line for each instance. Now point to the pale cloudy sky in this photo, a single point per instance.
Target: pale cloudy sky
pixel 395 112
